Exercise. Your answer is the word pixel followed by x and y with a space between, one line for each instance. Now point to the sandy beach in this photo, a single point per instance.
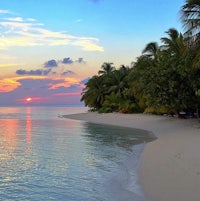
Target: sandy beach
pixel 170 166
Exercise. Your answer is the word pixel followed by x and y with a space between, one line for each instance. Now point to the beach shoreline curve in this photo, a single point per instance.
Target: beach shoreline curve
pixel 170 166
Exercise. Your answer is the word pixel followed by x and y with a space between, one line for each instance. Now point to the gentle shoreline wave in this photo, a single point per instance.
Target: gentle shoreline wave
pixel 124 185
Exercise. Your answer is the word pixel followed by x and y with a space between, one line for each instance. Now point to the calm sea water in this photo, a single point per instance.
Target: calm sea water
pixel 44 157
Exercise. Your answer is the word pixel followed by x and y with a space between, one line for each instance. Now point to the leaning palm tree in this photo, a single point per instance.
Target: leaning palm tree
pixel 106 68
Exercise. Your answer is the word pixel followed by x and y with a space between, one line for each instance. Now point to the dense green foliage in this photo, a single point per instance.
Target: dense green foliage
pixel 164 79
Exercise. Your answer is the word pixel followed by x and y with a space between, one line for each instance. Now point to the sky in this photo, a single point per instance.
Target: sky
pixel 50 48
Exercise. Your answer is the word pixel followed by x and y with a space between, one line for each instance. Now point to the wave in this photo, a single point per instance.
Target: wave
pixel 124 184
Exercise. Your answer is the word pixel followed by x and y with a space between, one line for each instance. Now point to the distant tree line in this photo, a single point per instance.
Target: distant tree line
pixel 164 79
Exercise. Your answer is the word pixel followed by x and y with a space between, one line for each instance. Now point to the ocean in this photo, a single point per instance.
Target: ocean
pixel 46 157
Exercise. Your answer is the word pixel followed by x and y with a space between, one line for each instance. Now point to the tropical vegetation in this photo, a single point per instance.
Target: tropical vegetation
pixel 164 79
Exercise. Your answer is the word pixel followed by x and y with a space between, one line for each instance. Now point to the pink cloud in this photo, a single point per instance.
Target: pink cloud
pixel 43 91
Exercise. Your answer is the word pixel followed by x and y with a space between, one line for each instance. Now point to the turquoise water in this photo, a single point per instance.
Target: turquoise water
pixel 45 157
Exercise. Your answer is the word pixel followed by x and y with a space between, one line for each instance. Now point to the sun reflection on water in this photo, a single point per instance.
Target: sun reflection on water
pixel 28 125
pixel 8 144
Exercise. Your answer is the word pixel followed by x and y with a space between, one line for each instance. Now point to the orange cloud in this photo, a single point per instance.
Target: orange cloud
pixel 41 90
pixel 67 82
pixel 8 84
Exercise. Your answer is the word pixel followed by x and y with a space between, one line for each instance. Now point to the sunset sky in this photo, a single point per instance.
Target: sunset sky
pixel 49 48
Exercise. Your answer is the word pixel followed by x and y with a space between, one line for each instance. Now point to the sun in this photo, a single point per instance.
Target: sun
pixel 29 99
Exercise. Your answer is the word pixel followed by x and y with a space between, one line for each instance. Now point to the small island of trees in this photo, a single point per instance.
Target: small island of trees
pixel 165 79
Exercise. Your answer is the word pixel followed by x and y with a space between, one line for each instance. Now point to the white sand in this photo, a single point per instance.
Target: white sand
pixel 170 165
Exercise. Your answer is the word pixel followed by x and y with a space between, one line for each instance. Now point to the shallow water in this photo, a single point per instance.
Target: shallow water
pixel 45 157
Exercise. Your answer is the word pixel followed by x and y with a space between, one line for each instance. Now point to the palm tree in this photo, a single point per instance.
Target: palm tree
pixel 190 16
pixel 117 81
pixel 94 92
pixel 106 68
pixel 112 102
pixel 151 50
pixel 124 69
pixel 174 44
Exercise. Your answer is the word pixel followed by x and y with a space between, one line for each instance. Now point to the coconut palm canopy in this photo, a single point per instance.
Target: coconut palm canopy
pixel 190 15
pixel 164 79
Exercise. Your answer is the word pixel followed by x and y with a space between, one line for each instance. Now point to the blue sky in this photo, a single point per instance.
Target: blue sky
pixel 49 47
